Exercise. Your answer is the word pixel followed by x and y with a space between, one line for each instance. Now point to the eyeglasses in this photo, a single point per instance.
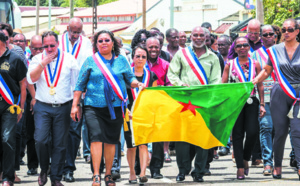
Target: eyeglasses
pixel 268 34
pixel 36 49
pixel 20 41
pixel 198 35
pixel 242 45
pixel 139 56
pixel 253 33
pixel 47 46
pixel 222 45
pixel 289 30
pixel 104 40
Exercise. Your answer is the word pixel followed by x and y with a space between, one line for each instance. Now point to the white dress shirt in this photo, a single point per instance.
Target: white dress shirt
pixel 86 48
pixel 66 83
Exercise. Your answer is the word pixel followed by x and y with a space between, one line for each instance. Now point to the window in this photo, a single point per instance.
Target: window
pixel 100 19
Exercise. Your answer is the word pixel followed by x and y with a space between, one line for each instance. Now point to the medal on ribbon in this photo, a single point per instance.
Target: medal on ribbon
pixel 53 79
pixel 8 97
pixel 195 65
pixel 66 44
pixel 145 81
pixel 283 82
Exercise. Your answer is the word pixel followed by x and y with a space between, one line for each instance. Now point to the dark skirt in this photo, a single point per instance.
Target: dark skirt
pixel 128 137
pixel 100 126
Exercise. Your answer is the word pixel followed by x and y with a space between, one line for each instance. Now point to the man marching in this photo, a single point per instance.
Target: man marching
pixel 80 47
pixel 55 73
pixel 194 65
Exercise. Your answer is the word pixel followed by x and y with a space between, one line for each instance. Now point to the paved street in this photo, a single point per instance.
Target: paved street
pixel 223 173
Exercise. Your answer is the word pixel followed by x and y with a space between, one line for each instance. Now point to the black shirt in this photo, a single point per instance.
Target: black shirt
pixel 165 55
pixel 153 78
pixel 13 70
pixel 221 60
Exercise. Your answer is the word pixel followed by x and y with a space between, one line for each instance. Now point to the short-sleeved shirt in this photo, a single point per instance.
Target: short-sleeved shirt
pixel 91 80
pixel 289 68
pixel 13 70
pixel 153 78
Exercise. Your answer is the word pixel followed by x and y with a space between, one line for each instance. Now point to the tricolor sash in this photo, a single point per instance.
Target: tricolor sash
pixel 145 81
pixel 52 80
pixel 27 55
pixel 263 58
pixel 111 78
pixel 9 97
pixel 251 51
pixel 195 65
pixel 240 72
pixel 76 48
pixel 284 84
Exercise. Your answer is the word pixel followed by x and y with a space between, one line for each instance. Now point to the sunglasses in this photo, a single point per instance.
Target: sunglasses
pixel 289 30
pixel 138 56
pixel 242 45
pixel 143 39
pixel 47 46
pixel 104 40
pixel 36 49
pixel 20 41
pixel 268 34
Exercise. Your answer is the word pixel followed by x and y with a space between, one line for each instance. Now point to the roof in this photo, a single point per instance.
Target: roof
pixel 120 7
pixel 242 26
pixel 222 28
pixel 45 12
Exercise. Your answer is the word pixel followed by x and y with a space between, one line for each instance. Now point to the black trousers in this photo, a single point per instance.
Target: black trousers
pixel 185 154
pixel 157 160
pixel 247 122
pixel 32 159
pixel 8 123
pixel 52 124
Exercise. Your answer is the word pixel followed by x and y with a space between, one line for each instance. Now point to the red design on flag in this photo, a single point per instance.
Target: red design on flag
pixel 189 106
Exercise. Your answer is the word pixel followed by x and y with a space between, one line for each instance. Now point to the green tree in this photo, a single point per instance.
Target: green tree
pixel 276 11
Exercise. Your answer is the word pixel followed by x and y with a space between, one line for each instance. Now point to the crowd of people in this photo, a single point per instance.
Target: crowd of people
pixel 67 88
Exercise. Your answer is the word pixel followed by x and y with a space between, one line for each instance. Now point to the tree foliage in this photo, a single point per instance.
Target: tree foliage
pixel 62 3
pixel 276 11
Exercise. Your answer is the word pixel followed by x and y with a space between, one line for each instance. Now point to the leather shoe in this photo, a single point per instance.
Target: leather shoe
pixel 56 183
pixel 157 175
pixel 115 175
pixel 68 177
pixel 180 177
pixel 42 180
pixel 197 178
pixel 7 183
pixel 32 171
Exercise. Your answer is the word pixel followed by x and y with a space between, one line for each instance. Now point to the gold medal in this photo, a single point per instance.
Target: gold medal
pixel 52 91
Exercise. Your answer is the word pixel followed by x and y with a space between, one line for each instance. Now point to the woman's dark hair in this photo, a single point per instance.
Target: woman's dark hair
pixel 278 33
pixel 240 37
pixel 116 46
pixel 227 39
pixel 7 27
pixel 137 37
pixel 139 47
pixel 3 37
pixel 294 21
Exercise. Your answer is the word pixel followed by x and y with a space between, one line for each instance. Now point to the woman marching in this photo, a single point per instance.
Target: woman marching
pixel 149 79
pixel 284 59
pixel 244 69
pixel 103 77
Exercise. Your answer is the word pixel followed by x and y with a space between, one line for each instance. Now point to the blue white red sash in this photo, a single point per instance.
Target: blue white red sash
pixel 284 84
pixel 195 65
pixel 251 51
pixel 263 57
pixel 241 75
pixel 111 78
pixel 145 81
pixel 27 55
pixel 76 48
pixel 8 96
pixel 53 79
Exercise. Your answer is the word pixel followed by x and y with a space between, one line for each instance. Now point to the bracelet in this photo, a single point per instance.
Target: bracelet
pixel 41 64
pixel 262 104
pixel 79 105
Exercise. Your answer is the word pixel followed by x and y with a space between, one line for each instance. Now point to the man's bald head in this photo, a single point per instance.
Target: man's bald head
pixel 151 40
pixel 153 47
pixel 254 30
pixel 74 29
pixel 36 45
pixel 198 37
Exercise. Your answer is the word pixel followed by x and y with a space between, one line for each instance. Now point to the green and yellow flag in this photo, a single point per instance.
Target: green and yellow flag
pixel 200 115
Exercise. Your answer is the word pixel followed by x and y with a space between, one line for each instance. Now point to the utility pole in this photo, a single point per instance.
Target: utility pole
pixel 49 16
pixel 172 14
pixel 37 23
pixel 71 9
pixel 94 4
pixel 260 11
pixel 144 14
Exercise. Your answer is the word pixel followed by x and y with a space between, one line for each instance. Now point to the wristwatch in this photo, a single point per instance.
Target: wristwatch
pixel 79 105
pixel 262 104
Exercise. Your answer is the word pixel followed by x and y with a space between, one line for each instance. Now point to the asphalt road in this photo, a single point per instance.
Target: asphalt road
pixel 223 173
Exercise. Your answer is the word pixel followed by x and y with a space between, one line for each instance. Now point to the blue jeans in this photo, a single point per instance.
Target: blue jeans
pixel 117 158
pixel 266 140
pixel 85 139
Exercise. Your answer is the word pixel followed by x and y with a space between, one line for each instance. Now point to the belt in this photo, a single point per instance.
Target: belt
pixel 54 104
pixel 293 85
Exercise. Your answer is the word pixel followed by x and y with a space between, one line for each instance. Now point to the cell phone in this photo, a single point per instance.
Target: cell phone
pixel 76 119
